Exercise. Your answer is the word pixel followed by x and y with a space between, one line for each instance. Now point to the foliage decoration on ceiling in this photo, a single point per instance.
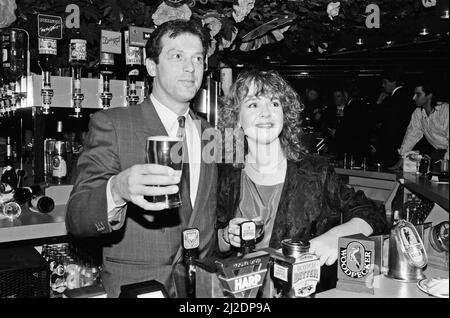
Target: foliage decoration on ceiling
pixel 428 3
pixel 333 9
pixel 321 26
pixel 167 12
pixel 7 15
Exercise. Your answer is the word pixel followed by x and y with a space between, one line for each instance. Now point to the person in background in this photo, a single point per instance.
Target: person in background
pixel 142 240
pixel 314 108
pixel 356 125
pixel 334 122
pixel 293 194
pixel 395 106
pixel 429 120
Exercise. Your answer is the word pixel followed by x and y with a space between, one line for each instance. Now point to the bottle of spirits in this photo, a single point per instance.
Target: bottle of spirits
pixel 9 175
pixel 106 68
pixel 133 61
pixel 47 63
pixel 3 99
pixel 13 64
pixel 59 157
pixel 24 194
pixel 77 59
pixel 35 198
pixel 6 44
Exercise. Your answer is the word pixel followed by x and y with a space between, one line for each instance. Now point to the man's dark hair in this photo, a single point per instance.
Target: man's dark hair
pixel 174 28
pixel 339 89
pixel 313 86
pixel 427 84
pixel 395 75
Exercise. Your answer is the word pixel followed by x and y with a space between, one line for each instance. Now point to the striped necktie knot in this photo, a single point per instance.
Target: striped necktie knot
pixel 181 126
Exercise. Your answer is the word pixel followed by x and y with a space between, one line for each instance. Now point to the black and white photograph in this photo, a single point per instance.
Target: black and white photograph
pixel 231 156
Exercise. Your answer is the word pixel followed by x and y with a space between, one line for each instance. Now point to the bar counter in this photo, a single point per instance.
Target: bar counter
pixel 385 287
pixel 33 225
pixel 434 191
pixel 372 174
pixel 382 181
pixel 36 225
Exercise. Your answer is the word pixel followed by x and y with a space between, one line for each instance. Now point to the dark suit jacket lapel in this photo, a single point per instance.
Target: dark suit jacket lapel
pixel 149 121
pixel 204 183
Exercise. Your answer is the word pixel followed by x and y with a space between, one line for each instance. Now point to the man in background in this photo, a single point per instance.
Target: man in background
pixel 429 120
pixel 395 108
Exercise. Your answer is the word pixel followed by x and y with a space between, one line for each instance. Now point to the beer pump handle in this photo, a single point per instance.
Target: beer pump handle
pixel 191 240
pixel 248 236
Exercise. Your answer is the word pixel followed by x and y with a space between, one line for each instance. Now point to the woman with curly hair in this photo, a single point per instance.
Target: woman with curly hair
pixel 294 194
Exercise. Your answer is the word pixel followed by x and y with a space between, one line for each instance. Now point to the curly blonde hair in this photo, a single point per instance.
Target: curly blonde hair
pixel 268 83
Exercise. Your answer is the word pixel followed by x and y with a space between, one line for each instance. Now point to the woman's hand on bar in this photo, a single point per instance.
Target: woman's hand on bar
pixel 325 246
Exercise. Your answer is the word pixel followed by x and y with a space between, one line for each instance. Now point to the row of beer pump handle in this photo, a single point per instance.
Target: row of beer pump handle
pixel 15 64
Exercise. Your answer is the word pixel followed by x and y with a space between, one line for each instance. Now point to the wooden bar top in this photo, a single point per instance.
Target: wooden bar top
pixel 385 287
pixel 373 174
pixel 33 225
pixel 436 192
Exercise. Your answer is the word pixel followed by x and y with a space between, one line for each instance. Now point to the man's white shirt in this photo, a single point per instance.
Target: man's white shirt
pixel 434 127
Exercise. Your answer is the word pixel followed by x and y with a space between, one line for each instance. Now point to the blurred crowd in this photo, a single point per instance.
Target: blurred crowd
pixel 341 123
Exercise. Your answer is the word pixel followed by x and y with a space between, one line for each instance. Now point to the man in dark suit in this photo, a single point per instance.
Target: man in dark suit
pixel 350 123
pixel 142 240
pixel 396 109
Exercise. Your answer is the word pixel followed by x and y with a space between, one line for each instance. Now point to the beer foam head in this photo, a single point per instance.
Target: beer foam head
pixel 164 138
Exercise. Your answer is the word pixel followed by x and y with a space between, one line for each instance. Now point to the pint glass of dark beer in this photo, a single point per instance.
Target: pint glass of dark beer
pixel 165 151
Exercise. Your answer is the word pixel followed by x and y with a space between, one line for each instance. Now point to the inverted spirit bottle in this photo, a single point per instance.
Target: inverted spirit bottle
pixel 2 90
pixel 106 69
pixel 47 63
pixel 9 175
pixel 77 59
pixel 13 64
pixel 133 61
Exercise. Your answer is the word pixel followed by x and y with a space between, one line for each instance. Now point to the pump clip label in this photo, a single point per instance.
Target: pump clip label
pixel 50 26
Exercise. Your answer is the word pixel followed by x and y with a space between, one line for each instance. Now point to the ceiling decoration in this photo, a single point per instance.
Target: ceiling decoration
pixel 269 32
pixel 282 28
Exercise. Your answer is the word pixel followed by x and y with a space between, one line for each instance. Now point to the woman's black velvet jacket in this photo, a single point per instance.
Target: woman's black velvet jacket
pixel 313 200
